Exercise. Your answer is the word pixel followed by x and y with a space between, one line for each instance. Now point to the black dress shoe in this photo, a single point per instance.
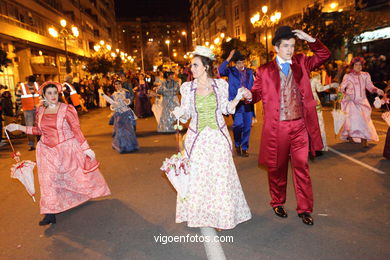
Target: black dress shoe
pixel 32 148
pixel 48 219
pixel 238 151
pixel 244 153
pixel 280 212
pixel 306 218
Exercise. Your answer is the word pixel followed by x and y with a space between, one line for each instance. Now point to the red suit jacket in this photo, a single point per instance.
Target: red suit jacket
pixel 267 88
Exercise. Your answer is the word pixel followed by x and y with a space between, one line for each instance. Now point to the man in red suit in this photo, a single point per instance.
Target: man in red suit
pixel 290 127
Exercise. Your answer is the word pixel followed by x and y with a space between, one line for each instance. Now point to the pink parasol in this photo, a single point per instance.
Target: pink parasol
pixel 23 171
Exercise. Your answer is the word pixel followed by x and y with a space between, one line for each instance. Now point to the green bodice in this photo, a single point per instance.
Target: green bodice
pixel 206 106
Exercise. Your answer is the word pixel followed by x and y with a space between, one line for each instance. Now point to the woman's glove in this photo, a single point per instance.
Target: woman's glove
pixel 178 112
pixel 380 92
pixel 12 127
pixel 240 93
pixel 386 117
pixel 233 103
pixel 334 85
pixel 90 154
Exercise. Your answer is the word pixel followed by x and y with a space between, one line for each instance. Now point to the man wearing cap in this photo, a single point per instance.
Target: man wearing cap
pixel 27 98
pixel 290 127
pixel 239 76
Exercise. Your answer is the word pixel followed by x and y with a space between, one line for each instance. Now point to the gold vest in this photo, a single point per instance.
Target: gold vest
pixel 291 107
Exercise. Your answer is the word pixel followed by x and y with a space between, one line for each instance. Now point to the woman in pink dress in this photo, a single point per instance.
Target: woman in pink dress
pixel 67 169
pixel 358 126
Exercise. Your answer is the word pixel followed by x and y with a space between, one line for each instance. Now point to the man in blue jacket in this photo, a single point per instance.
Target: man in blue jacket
pixel 239 76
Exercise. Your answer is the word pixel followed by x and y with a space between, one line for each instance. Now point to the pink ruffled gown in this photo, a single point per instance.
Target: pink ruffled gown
pixel 358 123
pixel 66 176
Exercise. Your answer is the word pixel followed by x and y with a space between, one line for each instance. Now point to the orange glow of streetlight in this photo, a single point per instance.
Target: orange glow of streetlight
pixel 183 33
pixel 222 35
pixel 63 22
pixel 101 42
pixel 255 18
pixel 53 32
pixel 108 47
pixel 264 9
pixel 96 47
pixel 333 5
pixel 75 31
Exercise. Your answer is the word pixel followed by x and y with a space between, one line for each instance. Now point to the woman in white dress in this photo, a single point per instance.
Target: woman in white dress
pixel 102 101
pixel 215 197
pixel 316 86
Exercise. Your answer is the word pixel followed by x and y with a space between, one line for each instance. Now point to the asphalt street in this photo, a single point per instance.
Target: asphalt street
pixel 352 214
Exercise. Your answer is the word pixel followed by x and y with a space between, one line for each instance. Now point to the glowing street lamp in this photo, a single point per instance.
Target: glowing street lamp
pixel 265 22
pixel 63 23
pixel 75 31
pixel 184 33
pixel 167 42
pixel 53 32
pixel 66 34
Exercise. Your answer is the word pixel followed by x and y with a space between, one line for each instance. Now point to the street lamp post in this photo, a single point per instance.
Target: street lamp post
pixel 184 33
pixel 167 43
pixel 265 22
pixel 65 34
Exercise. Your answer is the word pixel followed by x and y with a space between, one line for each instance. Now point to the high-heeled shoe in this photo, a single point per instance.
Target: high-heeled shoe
pixel 48 219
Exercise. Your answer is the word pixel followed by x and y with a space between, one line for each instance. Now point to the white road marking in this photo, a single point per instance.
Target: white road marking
pixel 356 161
pixel 213 249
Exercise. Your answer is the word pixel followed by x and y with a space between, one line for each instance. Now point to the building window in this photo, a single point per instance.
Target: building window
pixel 236 12
pixel 238 31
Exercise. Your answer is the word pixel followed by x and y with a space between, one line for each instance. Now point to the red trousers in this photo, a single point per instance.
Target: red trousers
pixel 293 142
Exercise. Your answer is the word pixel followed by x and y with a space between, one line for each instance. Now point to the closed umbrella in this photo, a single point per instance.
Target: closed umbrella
pixel 176 168
pixel 338 120
pixel 23 171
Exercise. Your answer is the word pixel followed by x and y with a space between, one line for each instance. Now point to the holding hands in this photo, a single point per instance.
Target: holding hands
pixel 243 93
pixel 247 95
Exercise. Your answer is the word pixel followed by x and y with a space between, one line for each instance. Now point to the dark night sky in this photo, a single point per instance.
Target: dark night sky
pixel 177 9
